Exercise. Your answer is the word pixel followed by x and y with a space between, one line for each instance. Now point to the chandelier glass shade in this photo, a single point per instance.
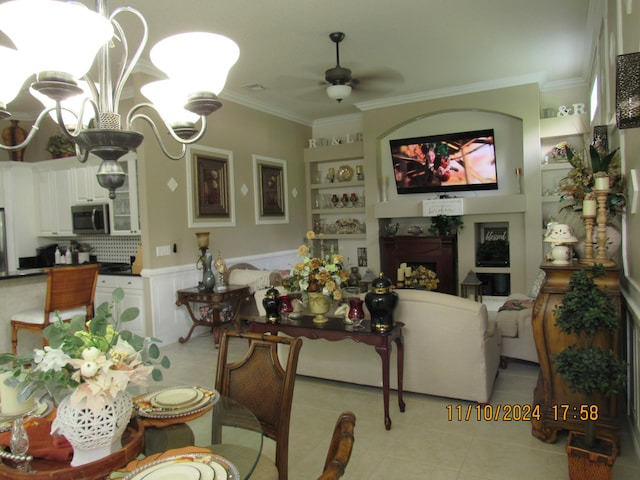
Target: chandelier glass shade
pixel 81 87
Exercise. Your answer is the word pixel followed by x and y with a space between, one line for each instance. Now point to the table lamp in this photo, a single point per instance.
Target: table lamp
pixel 560 236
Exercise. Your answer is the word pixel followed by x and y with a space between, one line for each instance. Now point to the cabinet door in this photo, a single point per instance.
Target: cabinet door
pixel 54 203
pixel 86 188
pixel 124 208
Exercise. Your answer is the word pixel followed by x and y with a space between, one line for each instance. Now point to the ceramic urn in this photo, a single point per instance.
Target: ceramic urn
pixel 271 303
pixel 381 301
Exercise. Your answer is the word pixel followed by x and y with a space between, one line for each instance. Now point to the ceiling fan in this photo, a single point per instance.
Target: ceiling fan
pixel 339 77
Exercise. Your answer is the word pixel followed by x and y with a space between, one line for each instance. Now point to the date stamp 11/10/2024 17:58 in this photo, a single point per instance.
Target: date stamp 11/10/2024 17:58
pixel 519 412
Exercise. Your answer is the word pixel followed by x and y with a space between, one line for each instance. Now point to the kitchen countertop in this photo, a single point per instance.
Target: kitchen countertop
pixel 31 272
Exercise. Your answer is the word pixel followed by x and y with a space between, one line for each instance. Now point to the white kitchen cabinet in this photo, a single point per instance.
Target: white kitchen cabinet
pixel 123 214
pixel 53 193
pixel 17 198
pixel 133 288
pixel 86 189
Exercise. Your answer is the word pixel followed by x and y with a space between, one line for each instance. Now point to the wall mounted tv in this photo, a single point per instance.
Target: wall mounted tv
pixel 452 162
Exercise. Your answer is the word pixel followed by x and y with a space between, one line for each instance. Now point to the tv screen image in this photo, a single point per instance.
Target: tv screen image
pixel 451 162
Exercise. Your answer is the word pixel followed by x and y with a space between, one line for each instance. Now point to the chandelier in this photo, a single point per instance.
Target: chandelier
pixel 81 70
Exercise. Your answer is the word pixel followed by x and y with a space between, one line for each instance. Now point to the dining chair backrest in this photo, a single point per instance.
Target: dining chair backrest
pixel 71 287
pixel 340 447
pixel 70 291
pixel 262 384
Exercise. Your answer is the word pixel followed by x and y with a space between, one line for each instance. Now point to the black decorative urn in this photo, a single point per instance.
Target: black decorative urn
pixel 381 301
pixel 271 304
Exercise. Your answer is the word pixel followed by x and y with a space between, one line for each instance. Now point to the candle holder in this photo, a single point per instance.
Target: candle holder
pixel 588 241
pixel 601 230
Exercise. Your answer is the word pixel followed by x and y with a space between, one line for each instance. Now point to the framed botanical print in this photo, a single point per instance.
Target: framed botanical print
pixel 210 187
pixel 270 185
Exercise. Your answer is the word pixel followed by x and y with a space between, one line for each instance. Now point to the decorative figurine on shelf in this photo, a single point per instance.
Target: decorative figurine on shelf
pixel 271 303
pixel 221 267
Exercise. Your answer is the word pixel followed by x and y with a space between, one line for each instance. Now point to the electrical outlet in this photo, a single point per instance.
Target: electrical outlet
pixel 163 250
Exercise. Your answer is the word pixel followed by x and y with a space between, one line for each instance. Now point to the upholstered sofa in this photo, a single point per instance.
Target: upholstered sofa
pixel 452 350
pixel 514 321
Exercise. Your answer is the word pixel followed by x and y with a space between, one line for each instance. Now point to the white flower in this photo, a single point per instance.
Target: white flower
pixel 90 354
pixel 89 369
pixel 50 359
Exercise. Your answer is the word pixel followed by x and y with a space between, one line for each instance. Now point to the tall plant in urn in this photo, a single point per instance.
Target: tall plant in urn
pixel 585 312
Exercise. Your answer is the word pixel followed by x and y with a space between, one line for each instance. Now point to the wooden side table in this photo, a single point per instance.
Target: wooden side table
pixel 560 407
pixel 234 295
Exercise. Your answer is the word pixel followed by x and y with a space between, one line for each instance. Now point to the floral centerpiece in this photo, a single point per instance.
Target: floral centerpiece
pixel 579 182
pixel 92 361
pixel 317 275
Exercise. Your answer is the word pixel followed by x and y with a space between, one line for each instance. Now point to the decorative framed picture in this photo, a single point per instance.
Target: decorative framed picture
pixel 270 185
pixel 628 90
pixel 210 194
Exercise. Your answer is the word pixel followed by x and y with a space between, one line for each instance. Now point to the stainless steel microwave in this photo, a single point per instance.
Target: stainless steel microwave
pixel 90 218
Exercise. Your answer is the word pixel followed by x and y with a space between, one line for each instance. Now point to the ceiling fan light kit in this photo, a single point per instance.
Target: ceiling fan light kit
pixel 338 92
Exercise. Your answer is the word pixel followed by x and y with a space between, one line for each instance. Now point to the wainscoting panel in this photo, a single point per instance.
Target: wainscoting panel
pixel 167 321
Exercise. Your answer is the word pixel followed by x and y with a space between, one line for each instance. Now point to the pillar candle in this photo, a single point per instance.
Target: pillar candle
pixel 400 274
pixel 9 398
pixel 407 272
pixel 589 208
pixel 601 183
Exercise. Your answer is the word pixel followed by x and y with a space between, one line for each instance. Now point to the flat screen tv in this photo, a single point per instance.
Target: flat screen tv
pixel 451 162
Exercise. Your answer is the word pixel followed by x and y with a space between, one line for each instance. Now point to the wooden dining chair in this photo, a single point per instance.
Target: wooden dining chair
pixel 70 292
pixel 340 447
pixel 261 383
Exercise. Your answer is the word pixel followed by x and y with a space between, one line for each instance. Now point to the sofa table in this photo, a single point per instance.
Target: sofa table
pixel 233 295
pixel 335 329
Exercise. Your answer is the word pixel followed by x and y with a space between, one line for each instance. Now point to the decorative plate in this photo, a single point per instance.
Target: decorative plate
pixel 175 402
pixel 187 466
pixel 345 173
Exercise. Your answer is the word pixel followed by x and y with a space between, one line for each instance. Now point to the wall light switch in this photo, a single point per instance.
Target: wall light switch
pixel 163 250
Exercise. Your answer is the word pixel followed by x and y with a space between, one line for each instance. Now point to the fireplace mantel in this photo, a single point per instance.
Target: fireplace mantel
pixel 437 253
pixel 400 207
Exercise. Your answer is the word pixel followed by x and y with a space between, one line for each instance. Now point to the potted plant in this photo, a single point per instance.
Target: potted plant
pixel 585 312
pixel 445 225
pixel 60 146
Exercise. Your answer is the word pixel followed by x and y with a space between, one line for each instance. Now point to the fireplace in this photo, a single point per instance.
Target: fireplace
pixel 439 254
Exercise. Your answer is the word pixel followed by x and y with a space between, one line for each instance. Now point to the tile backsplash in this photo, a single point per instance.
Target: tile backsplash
pixel 107 248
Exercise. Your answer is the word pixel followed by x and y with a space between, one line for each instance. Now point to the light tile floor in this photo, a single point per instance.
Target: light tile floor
pixel 422 442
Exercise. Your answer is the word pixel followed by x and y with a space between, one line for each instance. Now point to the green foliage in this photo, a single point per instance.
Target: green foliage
pixel 591 370
pixel 445 224
pixel 586 309
pixel 72 338
pixel 59 144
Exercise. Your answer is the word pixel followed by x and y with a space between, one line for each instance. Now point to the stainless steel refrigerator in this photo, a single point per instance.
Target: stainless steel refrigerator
pixel 4 267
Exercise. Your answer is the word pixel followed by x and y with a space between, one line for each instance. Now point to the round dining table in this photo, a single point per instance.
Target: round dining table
pixel 226 428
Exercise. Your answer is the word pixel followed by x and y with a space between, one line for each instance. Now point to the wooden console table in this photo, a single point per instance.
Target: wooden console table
pixel 335 329
pixel 234 295
pixel 559 406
